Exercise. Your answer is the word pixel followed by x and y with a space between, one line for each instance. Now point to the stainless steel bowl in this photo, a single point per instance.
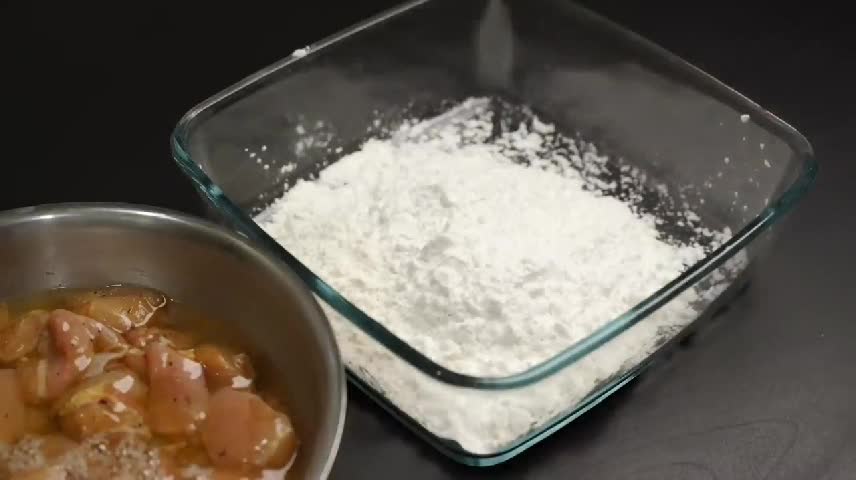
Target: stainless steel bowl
pixel 194 261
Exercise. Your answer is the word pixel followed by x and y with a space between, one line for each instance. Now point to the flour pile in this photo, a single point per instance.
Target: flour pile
pixel 489 245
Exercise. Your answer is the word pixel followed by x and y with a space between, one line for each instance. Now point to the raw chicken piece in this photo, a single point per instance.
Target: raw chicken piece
pixel 93 418
pixel 122 310
pixel 142 336
pixel 71 335
pixel 135 359
pixel 112 401
pixel 178 397
pixel 21 337
pixel 241 430
pixel 224 368
pixel 13 410
pixel 46 378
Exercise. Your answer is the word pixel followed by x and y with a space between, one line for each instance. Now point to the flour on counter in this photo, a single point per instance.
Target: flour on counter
pixel 489 250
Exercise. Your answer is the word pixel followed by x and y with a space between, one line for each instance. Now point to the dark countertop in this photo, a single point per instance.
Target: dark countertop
pixel 768 392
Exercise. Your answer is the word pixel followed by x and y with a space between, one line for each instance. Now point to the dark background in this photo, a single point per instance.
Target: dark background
pixel 91 91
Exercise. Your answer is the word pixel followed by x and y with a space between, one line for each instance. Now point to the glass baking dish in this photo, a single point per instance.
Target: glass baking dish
pixel 697 143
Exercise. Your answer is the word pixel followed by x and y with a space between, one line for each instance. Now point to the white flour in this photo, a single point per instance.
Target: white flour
pixel 489 254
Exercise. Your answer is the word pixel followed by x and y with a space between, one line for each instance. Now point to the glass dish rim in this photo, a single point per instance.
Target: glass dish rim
pixel 777 208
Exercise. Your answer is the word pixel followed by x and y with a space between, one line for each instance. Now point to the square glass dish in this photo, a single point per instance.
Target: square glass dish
pixel 629 120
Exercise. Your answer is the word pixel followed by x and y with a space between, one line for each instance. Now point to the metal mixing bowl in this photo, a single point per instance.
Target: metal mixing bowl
pixel 196 262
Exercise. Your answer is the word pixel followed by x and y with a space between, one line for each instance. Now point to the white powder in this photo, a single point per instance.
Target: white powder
pixel 489 254
pixel 300 52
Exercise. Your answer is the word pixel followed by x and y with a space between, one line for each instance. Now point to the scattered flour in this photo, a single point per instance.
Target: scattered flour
pixel 490 252
pixel 300 52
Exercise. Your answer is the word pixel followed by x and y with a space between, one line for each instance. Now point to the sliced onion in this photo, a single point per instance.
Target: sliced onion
pixel 100 361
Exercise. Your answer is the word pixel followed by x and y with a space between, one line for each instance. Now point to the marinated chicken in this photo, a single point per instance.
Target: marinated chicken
pixel 113 384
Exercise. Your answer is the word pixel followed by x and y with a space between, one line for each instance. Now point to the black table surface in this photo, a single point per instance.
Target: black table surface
pixel 91 93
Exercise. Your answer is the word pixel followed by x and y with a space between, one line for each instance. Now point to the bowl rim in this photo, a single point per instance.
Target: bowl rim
pixel 771 214
pixel 117 212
